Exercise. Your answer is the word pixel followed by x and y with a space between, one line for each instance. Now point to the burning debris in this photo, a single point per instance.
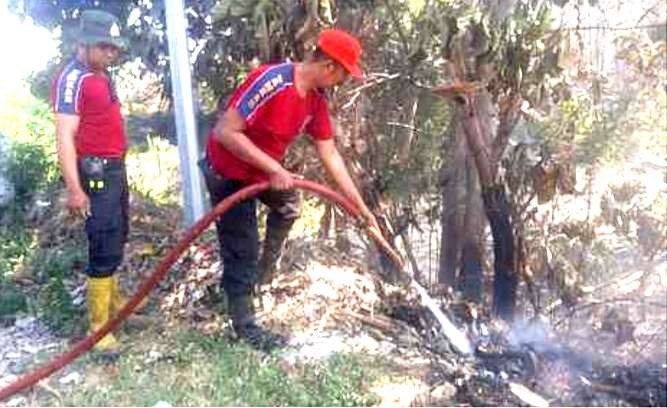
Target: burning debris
pixel 343 306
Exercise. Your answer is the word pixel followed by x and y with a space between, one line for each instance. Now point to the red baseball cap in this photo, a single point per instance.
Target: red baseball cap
pixel 342 47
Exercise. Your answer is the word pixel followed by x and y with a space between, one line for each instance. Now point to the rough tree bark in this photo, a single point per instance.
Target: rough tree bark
pixel 451 219
pixel 470 280
pixel 497 211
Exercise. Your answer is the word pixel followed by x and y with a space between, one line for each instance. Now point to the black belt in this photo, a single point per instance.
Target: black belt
pixel 110 163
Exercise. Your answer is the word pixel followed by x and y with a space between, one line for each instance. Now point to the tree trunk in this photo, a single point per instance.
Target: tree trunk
pixel 451 219
pixel 462 221
pixel 496 208
pixel 470 280
pixel 505 280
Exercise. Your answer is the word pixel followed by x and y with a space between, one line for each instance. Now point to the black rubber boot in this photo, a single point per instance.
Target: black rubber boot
pixel 242 313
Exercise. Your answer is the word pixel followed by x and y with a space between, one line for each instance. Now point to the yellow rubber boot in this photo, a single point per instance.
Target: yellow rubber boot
pixel 118 300
pixel 99 302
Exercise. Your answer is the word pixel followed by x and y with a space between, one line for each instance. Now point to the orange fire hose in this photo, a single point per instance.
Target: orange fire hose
pixel 172 256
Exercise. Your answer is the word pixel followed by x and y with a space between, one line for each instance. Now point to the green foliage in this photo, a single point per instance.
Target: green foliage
pixel 63 261
pixel 146 35
pixel 54 302
pixel 16 242
pixel 504 45
pixel 338 382
pixel 595 133
pixel 636 217
pixel 603 134
pixel 54 305
pixel 29 170
pixel 25 119
pixel 570 258
pixel 153 171
pixel 228 35
pixel 56 269
pixel 32 160
pixel 196 369
pixel 31 167
pixel 12 301
pixel 522 50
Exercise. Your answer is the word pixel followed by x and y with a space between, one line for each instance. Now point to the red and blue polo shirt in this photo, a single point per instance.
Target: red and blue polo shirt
pixel 77 90
pixel 275 115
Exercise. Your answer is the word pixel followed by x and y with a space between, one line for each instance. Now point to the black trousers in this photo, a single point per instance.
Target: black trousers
pixel 107 227
pixel 237 228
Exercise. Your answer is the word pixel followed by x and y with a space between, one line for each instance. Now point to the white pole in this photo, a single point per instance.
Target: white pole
pixel 186 126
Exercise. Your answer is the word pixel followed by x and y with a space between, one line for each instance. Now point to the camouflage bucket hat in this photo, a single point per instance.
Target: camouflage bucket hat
pixel 97 26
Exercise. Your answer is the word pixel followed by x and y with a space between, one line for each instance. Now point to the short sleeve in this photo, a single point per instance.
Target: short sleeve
pixel 258 89
pixel 237 95
pixel 68 91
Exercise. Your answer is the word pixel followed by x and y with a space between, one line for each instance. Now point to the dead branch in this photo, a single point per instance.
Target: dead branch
pixel 527 396
pixel 380 322
pixel 609 28
pixel 457 89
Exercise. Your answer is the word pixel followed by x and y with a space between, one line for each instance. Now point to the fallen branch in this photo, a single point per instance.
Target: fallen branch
pixel 378 321
pixel 528 396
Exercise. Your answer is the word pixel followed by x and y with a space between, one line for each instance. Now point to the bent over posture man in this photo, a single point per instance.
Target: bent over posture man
pixel 265 114
pixel 91 150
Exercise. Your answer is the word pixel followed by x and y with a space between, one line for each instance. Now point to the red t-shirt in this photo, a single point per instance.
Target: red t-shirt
pixel 77 90
pixel 275 115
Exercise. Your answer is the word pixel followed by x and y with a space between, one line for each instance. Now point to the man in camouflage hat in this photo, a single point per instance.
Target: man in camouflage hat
pixel 91 151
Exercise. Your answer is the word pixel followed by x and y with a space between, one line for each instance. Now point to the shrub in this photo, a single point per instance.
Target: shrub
pixel 56 307
pixel 32 161
pixel 29 170
pixel 12 301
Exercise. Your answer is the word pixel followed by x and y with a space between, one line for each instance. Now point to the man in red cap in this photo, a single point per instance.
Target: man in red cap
pixel 274 105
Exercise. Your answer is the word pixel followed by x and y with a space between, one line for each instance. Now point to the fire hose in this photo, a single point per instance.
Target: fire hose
pixel 172 256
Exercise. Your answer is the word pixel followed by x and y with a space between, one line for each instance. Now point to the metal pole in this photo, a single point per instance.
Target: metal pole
pixel 184 112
